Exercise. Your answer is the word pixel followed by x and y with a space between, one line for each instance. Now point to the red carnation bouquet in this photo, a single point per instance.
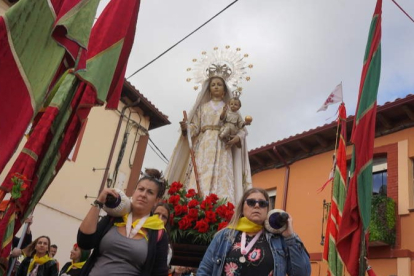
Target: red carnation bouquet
pixel 195 219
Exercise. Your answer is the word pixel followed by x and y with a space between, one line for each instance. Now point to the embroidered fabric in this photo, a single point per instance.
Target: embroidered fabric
pixel 258 260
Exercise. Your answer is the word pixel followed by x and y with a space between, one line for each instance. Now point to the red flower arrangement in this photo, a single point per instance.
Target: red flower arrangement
pixel 195 219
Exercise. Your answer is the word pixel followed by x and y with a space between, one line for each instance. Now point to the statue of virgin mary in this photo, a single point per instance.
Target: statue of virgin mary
pixel 223 168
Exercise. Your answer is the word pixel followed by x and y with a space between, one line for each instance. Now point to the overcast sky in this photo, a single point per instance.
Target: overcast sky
pixel 300 50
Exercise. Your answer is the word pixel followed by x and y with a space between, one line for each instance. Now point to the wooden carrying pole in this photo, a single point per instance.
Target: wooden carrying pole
pixel 193 161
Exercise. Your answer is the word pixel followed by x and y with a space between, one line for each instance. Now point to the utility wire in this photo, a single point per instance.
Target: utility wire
pixel 157 154
pixel 158 149
pixel 140 127
pixel 403 10
pixel 182 39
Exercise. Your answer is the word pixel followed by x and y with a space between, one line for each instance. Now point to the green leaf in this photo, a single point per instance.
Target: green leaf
pixel 383 220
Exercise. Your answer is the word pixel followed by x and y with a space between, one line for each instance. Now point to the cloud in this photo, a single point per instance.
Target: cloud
pixel 300 51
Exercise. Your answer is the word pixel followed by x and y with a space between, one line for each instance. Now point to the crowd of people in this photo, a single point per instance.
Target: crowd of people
pixel 138 242
pixel 37 258
pixel 144 248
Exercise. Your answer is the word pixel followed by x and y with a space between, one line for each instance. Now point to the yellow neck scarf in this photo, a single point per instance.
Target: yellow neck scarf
pixel 37 260
pixel 152 222
pixel 76 265
pixel 247 226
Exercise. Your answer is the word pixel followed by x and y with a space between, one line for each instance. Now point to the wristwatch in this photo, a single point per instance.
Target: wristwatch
pixel 98 204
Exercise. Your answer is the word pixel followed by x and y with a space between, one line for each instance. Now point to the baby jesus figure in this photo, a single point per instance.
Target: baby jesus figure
pixel 232 120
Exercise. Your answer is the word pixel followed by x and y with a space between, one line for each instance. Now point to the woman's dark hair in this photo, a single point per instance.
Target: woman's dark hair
pixel 84 253
pixel 167 207
pixel 30 250
pixel 155 176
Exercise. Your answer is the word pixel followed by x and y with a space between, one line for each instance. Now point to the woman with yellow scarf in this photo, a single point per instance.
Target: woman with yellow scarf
pixel 38 262
pixel 246 248
pixel 135 244
pixel 78 257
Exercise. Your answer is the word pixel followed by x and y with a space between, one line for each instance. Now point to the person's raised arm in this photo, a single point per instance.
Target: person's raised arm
pixel 29 222
pixel 89 223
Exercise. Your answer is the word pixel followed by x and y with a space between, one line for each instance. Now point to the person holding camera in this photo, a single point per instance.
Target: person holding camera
pixel 246 248
pixel 135 244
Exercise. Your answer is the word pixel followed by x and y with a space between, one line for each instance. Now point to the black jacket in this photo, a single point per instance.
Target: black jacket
pixel 71 272
pixel 47 269
pixel 156 263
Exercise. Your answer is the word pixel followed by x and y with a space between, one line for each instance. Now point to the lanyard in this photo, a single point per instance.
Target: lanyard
pixel 129 233
pixel 244 249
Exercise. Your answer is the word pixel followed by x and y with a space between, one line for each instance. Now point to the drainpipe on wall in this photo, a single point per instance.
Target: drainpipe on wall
pixel 287 171
pixel 108 164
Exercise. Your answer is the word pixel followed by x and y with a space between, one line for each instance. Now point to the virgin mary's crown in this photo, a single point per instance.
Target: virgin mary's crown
pixel 228 64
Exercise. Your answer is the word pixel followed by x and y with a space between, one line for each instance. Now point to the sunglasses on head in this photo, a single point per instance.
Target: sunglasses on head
pixel 252 202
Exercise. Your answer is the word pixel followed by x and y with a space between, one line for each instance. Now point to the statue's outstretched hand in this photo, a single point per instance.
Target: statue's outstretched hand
pixel 183 125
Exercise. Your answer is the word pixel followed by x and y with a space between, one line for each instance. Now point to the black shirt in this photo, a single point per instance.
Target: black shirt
pixel 258 261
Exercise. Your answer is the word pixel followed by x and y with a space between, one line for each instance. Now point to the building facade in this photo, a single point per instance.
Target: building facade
pixel 293 169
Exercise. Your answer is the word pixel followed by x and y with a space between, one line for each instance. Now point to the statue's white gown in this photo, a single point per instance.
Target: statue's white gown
pixel 214 161
pixel 225 172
